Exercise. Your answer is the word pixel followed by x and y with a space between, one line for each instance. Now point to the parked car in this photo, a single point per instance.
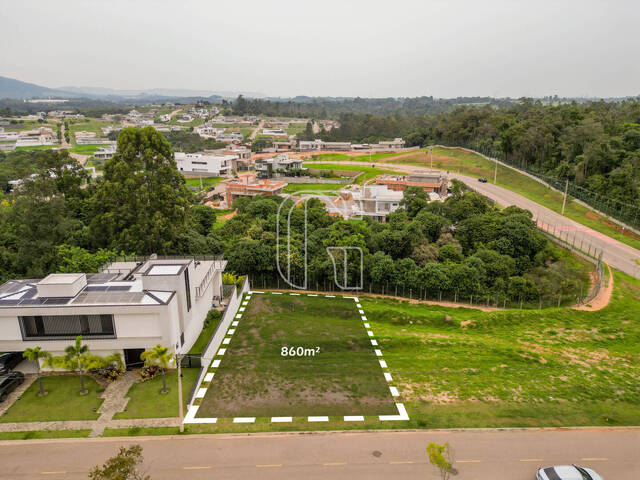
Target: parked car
pixel 9 382
pixel 9 361
pixel 567 472
pixel 482 180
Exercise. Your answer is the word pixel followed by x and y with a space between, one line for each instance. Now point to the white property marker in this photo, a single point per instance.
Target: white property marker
pixel 387 377
pixel 222 351
pixel 374 343
pixel 226 341
pixel 201 392
pixel 215 364
pixel 295 294
pixel 394 391
pixel 383 364
pixel 330 296
pixel 318 419
pixel 234 324
pixel 370 333
pixel 254 291
pixel 208 377
pixel 231 331
pixel 245 303
pixel 378 352
pixel 276 293
pixel 281 419
pixel 239 316
pixel 244 419
pixel 361 312
pixel 364 318
pixel 353 418
pixel 242 309
pixel 359 306
pixel 366 325
pixel 402 414
pixel 312 294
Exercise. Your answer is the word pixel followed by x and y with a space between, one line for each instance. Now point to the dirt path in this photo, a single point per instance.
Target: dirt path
pixel 256 130
pixel 602 299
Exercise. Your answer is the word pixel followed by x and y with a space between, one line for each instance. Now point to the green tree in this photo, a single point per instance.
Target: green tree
pixel 160 356
pixel 73 357
pixel 36 354
pixel 441 457
pixel 124 466
pixel 141 203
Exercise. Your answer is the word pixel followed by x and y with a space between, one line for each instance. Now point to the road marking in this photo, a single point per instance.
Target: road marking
pixel 206 467
pixel 54 473
pixel 401 463
pixel 594 459
pixel 468 461
pixel 269 465
pixel 531 459
pixel 333 464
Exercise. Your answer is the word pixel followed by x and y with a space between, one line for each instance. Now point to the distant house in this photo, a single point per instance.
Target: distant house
pixel 284 146
pixel 276 132
pixel 209 163
pixel 395 144
pixel 105 153
pixel 37 137
pixel 278 166
pixel 430 181
pixel 374 201
pixel 247 185
pixel 229 137
pixel 310 145
pixel 208 131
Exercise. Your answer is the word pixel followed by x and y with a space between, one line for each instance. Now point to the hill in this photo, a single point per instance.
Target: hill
pixel 16 89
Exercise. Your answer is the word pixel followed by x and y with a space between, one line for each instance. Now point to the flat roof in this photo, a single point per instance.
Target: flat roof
pixel 165 269
pixel 61 278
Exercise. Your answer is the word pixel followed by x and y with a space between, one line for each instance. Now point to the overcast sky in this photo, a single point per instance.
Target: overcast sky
pixel 367 48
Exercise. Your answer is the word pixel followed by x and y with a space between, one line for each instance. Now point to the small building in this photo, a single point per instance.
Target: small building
pixel 430 181
pixel 36 137
pixel 279 166
pixel 310 145
pixel 131 305
pixel 247 185
pixel 229 137
pixel 275 132
pixel 284 146
pixel 209 163
pixel 208 131
pixel 106 152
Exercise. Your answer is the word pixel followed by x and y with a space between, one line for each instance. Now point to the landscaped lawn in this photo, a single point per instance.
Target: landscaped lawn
pixel 85 149
pixel 315 187
pixel 206 181
pixel 63 402
pixel 474 165
pixel 203 339
pixel 368 172
pixel 146 401
pixel 341 377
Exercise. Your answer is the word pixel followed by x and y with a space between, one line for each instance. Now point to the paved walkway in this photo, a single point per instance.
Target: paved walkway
pixel 114 401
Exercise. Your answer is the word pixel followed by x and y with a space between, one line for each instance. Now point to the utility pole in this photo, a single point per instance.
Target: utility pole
pixel 431 154
pixel 495 173
pixel 564 201
pixel 178 361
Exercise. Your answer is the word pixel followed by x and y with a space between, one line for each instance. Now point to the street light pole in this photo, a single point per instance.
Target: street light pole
pixel 495 173
pixel 564 201
pixel 181 414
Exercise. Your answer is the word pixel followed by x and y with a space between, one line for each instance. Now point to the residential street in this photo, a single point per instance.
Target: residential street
pixel 479 455
pixel 616 254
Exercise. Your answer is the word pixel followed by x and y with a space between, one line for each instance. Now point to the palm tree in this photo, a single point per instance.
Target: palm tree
pixel 36 354
pixel 74 355
pixel 160 356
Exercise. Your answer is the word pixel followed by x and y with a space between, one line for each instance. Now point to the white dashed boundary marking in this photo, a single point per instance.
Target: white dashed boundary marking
pixel 190 417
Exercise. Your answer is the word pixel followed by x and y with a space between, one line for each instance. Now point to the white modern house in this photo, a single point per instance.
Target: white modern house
pixel 130 306
pixel 37 137
pixel 375 201
pixel 209 163
pixel 208 131
pixel 279 166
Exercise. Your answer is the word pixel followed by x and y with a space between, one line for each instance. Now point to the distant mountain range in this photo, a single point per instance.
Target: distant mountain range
pixel 18 90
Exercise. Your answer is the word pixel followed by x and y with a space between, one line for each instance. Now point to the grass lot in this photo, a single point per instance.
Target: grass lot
pixel 36 147
pixel 140 431
pixel 476 166
pixel 36 434
pixel 255 380
pixel 146 401
pixel 93 125
pixel 206 182
pixel 63 402
pixel 515 368
pixel 203 339
pixel 85 149
pixel 294 129
pixel 316 187
pixel 343 157
pixel 368 172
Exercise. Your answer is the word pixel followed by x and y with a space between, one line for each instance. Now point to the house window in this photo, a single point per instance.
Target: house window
pixel 187 287
pixel 66 326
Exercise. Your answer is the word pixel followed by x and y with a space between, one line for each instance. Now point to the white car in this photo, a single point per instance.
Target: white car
pixel 567 472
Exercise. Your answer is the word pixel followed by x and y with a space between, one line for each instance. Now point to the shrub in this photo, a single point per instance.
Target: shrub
pixel 110 373
pixel 148 372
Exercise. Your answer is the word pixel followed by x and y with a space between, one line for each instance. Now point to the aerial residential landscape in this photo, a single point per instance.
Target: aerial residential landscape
pixel 267 241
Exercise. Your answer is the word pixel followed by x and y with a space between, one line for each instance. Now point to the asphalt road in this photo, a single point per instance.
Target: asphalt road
pixel 479 455
pixel 618 255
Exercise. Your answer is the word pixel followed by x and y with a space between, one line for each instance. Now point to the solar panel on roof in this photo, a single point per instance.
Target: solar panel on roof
pixel 9 303
pixel 119 288
pixel 56 300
